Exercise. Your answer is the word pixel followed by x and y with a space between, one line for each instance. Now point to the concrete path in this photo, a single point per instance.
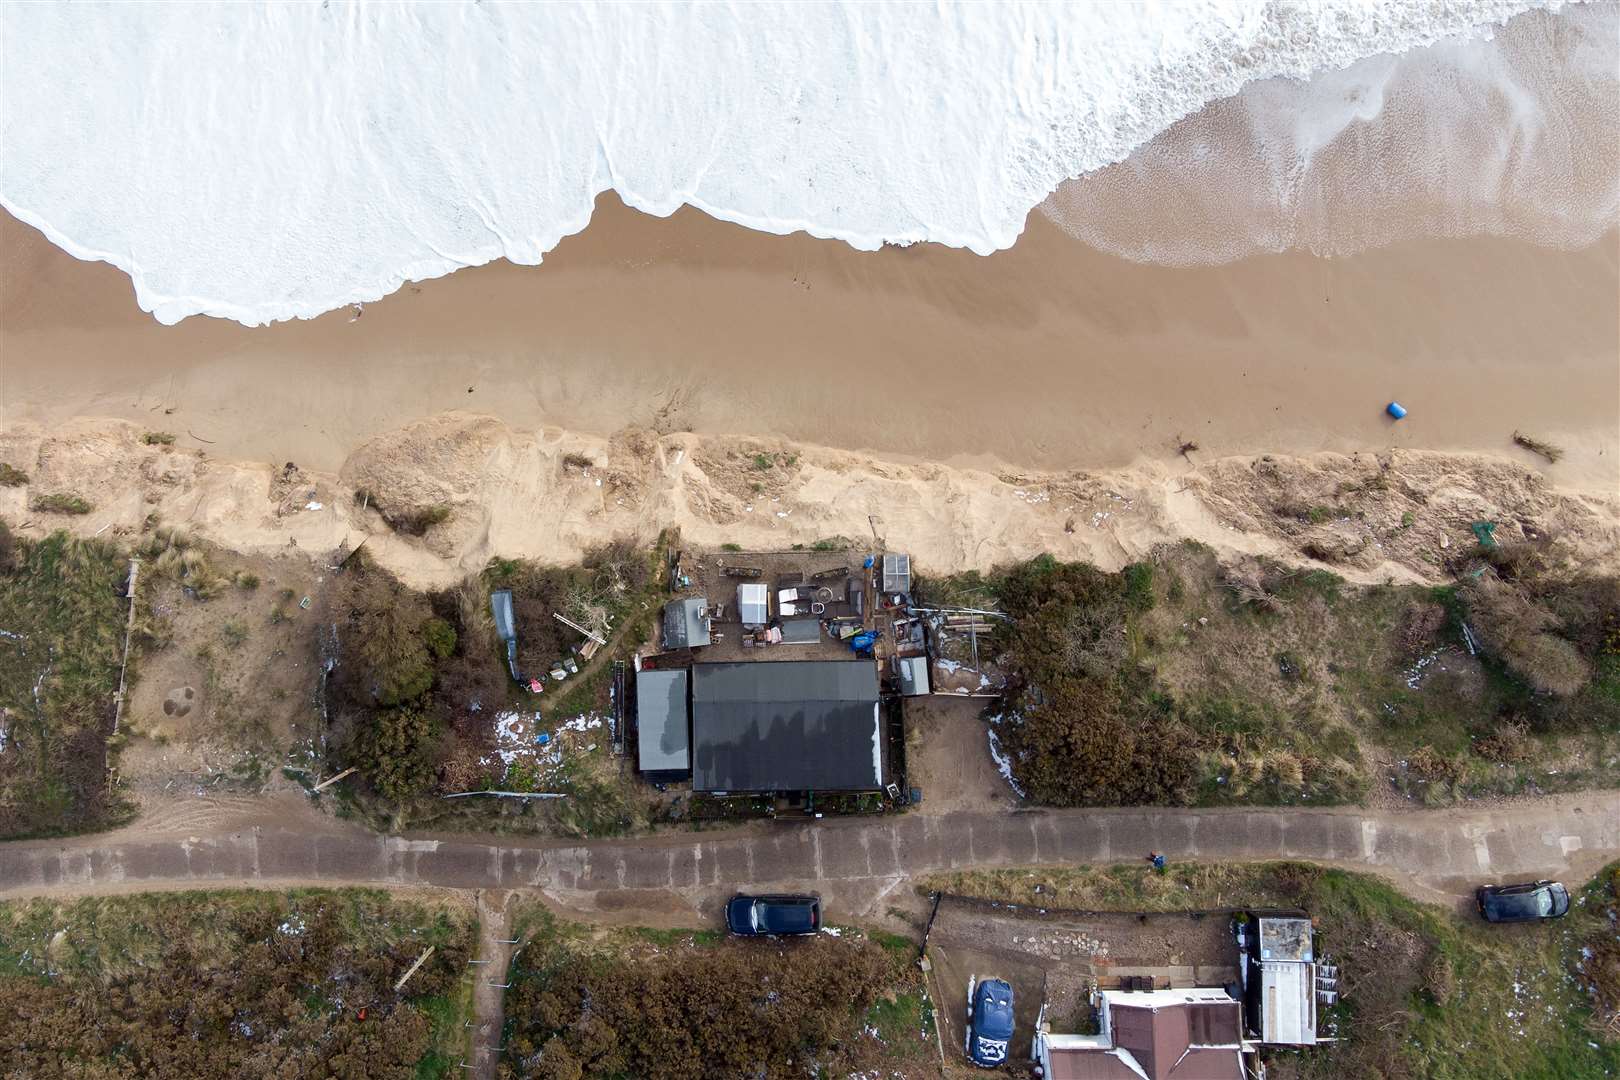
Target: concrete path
pixel 1443 852
pixel 489 995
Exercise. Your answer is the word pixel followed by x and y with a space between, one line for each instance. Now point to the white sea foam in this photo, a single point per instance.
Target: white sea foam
pixel 269 161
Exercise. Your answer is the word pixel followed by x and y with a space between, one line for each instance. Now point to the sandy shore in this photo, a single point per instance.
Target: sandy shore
pixel 1049 356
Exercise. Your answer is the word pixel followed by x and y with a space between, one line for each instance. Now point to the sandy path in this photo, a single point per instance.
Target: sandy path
pixel 1050 355
pixel 856 863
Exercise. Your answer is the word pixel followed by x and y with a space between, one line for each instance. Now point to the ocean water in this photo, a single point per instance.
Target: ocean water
pixel 264 161
pixel 1513 135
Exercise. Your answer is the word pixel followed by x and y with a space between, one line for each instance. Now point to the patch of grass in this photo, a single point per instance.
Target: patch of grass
pixel 1539 446
pixel 247 582
pixel 670 939
pixel 57 677
pixel 235 632
pixel 833 543
pixel 158 438
pixel 62 502
pixel 11 476
pixel 730 547
pixel 762 462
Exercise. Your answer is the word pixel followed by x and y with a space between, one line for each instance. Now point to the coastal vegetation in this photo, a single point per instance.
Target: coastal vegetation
pixel 63 622
pixel 238 984
pixel 683 1004
pixel 1180 680
pixel 1424 992
pixel 62 502
pixel 423 705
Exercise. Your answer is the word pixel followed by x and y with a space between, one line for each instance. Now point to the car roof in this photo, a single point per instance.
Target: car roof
pixel 993 1011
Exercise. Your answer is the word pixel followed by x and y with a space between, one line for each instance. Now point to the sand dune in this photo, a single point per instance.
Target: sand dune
pixel 551 495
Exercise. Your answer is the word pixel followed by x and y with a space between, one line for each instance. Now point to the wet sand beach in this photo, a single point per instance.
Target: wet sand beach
pixel 1050 355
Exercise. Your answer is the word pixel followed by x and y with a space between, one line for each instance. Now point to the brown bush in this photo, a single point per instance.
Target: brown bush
pixel 1517 629
pixel 1430 764
pixel 1509 744
pixel 728 1010
pixel 1440 979
pixel 1420 622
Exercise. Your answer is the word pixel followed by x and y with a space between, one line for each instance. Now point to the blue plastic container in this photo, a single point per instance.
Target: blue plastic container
pixel 1396 409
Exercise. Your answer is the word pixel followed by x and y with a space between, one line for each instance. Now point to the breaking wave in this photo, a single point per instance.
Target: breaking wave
pixel 271 161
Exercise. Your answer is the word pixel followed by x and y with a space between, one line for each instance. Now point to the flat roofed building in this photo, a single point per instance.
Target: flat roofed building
pixel 753 604
pixel 664 747
pixel 1281 998
pixel 686 623
pixel 786 726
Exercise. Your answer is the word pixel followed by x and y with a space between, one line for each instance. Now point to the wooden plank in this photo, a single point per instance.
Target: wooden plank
pixel 335 779
pixel 566 621
pixel 420 960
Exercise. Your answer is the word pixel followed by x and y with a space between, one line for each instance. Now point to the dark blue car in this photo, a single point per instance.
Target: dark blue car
pixel 1529 902
pixel 989 1021
pixel 756 916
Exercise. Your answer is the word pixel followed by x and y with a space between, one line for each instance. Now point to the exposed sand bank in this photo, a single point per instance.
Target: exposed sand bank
pixel 550 495
pixel 1049 356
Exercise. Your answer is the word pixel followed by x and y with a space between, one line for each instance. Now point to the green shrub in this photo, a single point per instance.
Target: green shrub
pixel 248 582
pixel 62 502
pixel 396 750
pixel 11 476
pixel 158 438
pixel 440 637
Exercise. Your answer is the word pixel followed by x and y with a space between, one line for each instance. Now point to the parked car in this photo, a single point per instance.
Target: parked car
pixel 757 916
pixel 1523 903
pixel 989 1021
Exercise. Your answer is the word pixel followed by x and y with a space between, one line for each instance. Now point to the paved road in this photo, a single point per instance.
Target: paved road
pixel 1444 852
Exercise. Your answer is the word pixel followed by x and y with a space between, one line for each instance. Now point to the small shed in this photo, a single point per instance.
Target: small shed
pixel 686 623
pixel 896 574
pixel 913 675
pixel 801 631
pixel 753 603
pixel 662 726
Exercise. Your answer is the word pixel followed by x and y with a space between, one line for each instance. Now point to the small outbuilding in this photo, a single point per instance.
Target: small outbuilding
pixel 686 623
pixel 896 574
pixel 913 675
pixel 754 604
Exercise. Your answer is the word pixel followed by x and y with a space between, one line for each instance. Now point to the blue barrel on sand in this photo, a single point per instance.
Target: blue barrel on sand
pixel 1396 409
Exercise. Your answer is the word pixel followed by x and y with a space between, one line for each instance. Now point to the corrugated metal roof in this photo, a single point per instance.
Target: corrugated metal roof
pixel 661 715
pixel 793 725
pixel 1288 1003
pixel 753 603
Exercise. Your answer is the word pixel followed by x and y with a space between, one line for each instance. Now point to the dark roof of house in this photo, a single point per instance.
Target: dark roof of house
pixel 1165 1039
pixel 792 725
pixel 684 624
pixel 663 744
pixel 1182 1040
